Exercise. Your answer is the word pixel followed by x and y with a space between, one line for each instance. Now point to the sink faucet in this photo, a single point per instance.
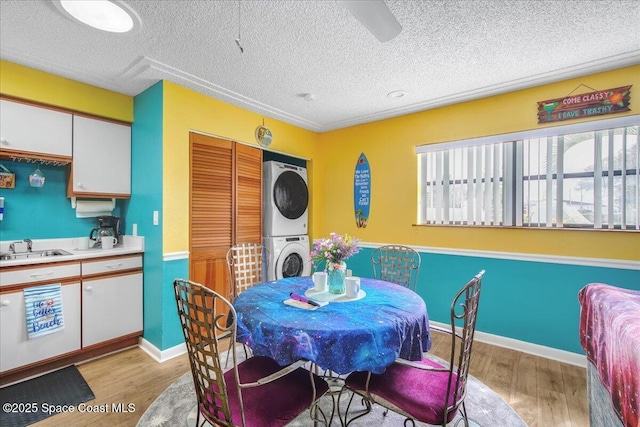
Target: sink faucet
pixel 29 242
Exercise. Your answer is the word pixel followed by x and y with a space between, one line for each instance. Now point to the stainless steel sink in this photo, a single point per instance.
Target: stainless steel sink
pixel 33 254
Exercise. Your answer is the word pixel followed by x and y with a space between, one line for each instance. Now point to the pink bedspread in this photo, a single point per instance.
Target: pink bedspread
pixel 610 334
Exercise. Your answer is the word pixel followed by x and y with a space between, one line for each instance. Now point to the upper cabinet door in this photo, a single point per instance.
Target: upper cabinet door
pixel 28 129
pixel 101 158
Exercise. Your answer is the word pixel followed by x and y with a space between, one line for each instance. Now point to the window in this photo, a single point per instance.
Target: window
pixel 582 176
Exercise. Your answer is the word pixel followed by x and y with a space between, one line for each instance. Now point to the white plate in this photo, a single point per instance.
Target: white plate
pixel 326 296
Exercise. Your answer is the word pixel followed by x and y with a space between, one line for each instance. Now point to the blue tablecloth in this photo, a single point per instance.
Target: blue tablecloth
pixel 364 335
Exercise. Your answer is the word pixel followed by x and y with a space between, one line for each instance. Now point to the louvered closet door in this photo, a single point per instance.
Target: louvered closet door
pixel 226 205
pixel 249 194
pixel 211 210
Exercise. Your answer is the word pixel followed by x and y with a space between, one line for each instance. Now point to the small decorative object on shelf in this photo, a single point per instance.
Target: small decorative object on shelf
pixel 333 251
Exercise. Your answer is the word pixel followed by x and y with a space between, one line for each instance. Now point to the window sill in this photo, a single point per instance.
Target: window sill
pixel 510 227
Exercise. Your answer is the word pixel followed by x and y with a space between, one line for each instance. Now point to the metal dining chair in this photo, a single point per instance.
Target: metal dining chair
pixel 247 266
pixel 247 263
pixel 254 392
pixel 426 391
pixel 396 264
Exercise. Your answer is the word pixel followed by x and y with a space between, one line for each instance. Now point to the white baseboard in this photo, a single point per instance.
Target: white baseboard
pixel 161 355
pixel 527 347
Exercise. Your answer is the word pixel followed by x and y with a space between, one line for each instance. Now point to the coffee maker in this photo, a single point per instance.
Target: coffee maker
pixel 107 226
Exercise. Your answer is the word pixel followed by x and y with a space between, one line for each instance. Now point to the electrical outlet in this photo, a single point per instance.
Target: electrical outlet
pixel 155 217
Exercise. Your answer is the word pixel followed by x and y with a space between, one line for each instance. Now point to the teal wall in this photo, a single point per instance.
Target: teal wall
pixel 536 302
pixel 171 329
pixel 42 213
pixel 146 184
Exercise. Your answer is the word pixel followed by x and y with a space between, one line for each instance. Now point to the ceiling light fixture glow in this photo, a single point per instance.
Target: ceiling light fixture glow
pixel 112 16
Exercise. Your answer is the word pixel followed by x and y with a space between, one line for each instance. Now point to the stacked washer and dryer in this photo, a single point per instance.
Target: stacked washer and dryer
pixel 285 220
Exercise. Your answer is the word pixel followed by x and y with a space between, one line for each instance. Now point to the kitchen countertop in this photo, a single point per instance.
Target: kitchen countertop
pixel 130 245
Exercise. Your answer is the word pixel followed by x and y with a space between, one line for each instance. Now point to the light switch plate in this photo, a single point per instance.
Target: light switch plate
pixel 155 217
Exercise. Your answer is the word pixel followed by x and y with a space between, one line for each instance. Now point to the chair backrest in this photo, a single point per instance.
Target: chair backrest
pixel 206 318
pixel 247 265
pixel 464 310
pixel 396 264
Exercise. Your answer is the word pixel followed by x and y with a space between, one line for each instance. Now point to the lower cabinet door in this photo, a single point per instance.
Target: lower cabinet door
pixel 16 349
pixel 111 308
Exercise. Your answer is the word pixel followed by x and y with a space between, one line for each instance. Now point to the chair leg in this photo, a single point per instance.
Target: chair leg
pixel 463 412
pixel 347 421
pixel 246 354
pixel 409 420
pixel 226 362
pixel 315 409
pixel 463 417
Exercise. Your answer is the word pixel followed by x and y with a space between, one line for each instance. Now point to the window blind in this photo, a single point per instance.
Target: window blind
pixel 589 178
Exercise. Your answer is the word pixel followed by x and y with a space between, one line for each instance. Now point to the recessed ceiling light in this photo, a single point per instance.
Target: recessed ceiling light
pixel 113 16
pixel 396 94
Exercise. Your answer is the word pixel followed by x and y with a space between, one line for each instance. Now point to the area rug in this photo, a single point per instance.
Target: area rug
pixel 176 406
pixel 33 400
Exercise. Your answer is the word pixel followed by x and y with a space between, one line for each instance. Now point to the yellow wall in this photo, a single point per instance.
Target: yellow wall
pixel 27 83
pixel 186 110
pixel 388 144
pixel 390 148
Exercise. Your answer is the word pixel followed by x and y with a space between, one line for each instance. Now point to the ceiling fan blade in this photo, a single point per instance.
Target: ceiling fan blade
pixel 375 16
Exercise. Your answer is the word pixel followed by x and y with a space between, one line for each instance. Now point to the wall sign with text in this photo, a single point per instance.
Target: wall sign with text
pixel 597 103
pixel 362 191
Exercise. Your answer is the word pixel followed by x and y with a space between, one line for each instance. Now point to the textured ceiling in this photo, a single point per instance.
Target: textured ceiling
pixel 448 51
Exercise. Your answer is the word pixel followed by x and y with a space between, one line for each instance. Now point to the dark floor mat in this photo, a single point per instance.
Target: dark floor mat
pixel 38 398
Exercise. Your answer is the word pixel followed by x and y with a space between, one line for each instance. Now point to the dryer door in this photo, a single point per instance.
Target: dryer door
pixel 290 194
pixel 291 262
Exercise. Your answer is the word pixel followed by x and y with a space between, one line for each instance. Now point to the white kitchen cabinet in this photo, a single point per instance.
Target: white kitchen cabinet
pixel 101 158
pixel 34 130
pixel 16 349
pixel 51 273
pixel 111 299
pixel 102 309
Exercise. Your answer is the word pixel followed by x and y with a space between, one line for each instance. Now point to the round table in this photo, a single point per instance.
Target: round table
pixel 391 321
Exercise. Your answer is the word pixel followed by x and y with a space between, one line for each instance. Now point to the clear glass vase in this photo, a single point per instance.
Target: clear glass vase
pixel 336 274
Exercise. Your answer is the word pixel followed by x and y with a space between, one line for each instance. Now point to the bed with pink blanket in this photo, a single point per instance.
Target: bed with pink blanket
pixel 610 335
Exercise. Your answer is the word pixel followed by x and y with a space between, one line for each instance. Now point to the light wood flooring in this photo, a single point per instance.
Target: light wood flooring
pixel 545 393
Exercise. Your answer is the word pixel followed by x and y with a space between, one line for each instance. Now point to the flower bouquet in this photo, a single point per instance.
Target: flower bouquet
pixel 333 251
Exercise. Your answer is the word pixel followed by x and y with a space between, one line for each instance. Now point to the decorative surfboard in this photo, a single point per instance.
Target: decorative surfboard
pixel 362 191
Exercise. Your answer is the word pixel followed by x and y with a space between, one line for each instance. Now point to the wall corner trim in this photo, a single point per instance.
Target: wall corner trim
pixel 161 355
pixel 175 256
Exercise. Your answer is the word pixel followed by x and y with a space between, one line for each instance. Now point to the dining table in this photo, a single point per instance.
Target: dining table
pixel 368 332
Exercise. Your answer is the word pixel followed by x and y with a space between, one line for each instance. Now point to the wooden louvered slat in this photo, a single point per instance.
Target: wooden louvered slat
pixel 211 210
pixel 226 205
pixel 249 195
